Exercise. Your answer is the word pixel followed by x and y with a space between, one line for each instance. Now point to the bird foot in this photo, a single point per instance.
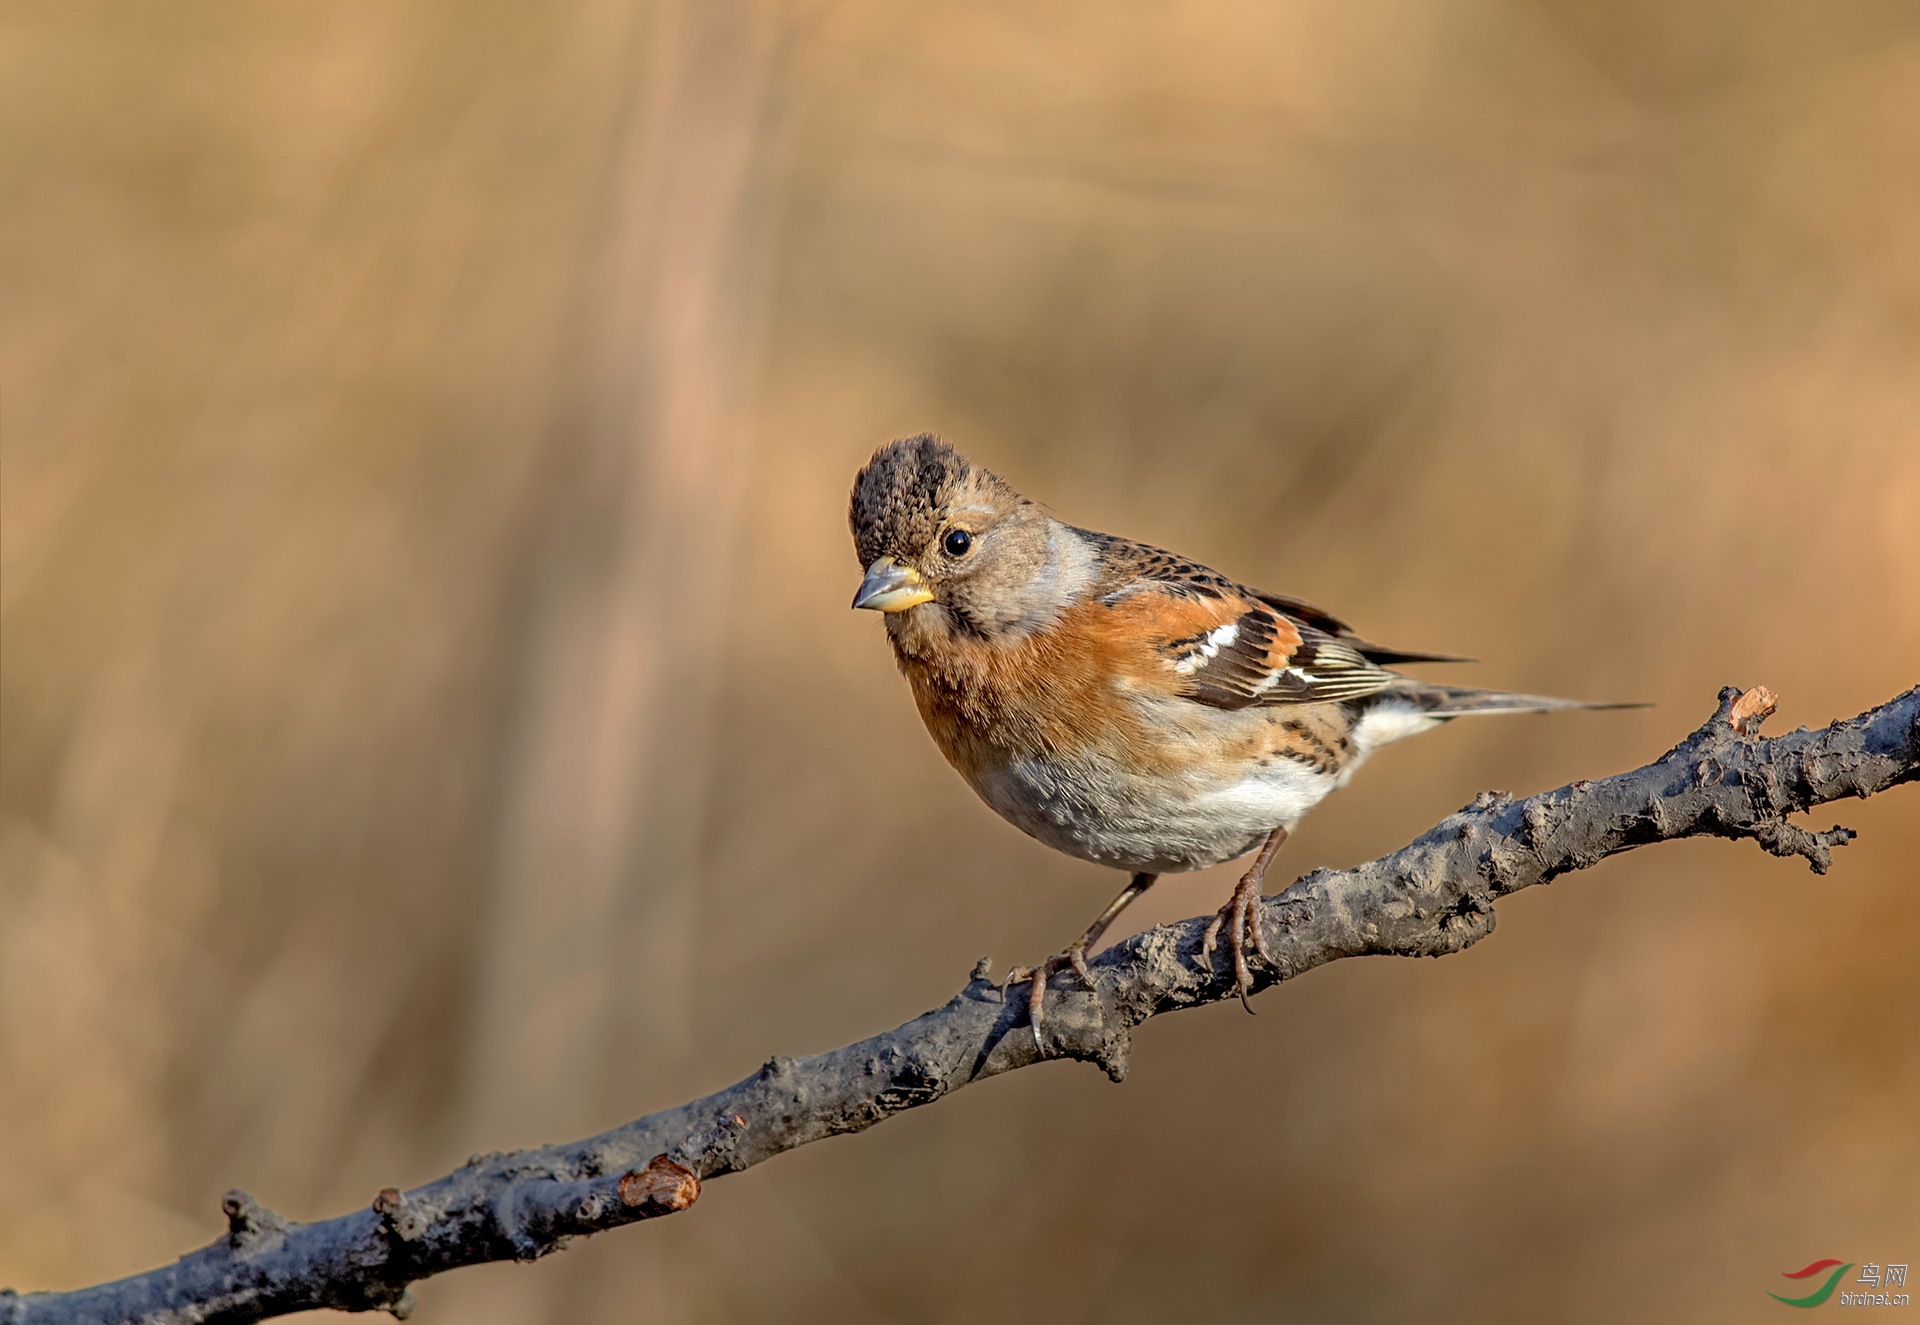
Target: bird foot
pixel 1072 958
pixel 1240 917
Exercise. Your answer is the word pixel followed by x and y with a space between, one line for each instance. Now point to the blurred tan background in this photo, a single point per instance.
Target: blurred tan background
pixel 432 720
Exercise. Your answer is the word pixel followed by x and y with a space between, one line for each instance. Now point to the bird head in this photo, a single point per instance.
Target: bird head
pixel 946 543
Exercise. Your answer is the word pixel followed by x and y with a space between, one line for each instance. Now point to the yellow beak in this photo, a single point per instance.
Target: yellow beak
pixel 891 587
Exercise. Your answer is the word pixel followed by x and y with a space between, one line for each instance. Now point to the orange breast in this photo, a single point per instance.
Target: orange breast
pixel 1070 690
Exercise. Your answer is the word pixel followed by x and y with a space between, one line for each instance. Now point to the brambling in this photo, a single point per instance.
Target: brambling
pixel 1120 703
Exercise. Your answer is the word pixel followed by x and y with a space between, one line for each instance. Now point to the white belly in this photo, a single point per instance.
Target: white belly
pixel 1112 814
pixel 1158 825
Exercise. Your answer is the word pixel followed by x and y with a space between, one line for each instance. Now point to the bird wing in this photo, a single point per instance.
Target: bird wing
pixel 1233 651
pixel 1233 647
pixel 1307 613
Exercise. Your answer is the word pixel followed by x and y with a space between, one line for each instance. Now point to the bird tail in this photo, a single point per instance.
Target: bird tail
pixel 1457 701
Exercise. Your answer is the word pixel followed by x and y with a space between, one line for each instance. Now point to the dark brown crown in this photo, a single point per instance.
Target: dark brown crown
pixel 898 497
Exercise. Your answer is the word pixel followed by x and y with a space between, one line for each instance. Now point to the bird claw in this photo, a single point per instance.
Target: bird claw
pixel 1240 917
pixel 1073 958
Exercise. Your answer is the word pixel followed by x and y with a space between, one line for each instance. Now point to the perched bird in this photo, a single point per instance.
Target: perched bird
pixel 1120 703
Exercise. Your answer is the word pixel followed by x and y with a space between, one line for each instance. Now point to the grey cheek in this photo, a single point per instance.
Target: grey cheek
pixel 1034 604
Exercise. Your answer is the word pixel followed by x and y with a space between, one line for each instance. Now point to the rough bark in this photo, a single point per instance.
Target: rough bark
pixel 1432 897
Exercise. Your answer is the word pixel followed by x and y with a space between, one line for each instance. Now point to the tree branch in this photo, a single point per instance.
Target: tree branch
pixel 1432 897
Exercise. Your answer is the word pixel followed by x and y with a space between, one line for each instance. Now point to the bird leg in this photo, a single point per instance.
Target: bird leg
pixel 1241 917
pixel 1074 956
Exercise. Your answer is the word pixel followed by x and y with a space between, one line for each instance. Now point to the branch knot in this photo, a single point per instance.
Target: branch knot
pixel 662 1187
pixel 248 1222
pixel 1750 709
pixel 398 1217
pixel 1779 838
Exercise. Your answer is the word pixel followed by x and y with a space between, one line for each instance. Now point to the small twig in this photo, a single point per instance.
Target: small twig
pixel 1432 897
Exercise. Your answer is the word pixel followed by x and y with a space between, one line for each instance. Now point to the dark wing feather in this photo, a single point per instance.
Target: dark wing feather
pixel 1329 663
pixel 1235 652
pixel 1303 611
pixel 1310 615
pixel 1251 671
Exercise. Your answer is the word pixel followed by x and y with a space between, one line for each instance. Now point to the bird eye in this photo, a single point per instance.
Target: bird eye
pixel 957 543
